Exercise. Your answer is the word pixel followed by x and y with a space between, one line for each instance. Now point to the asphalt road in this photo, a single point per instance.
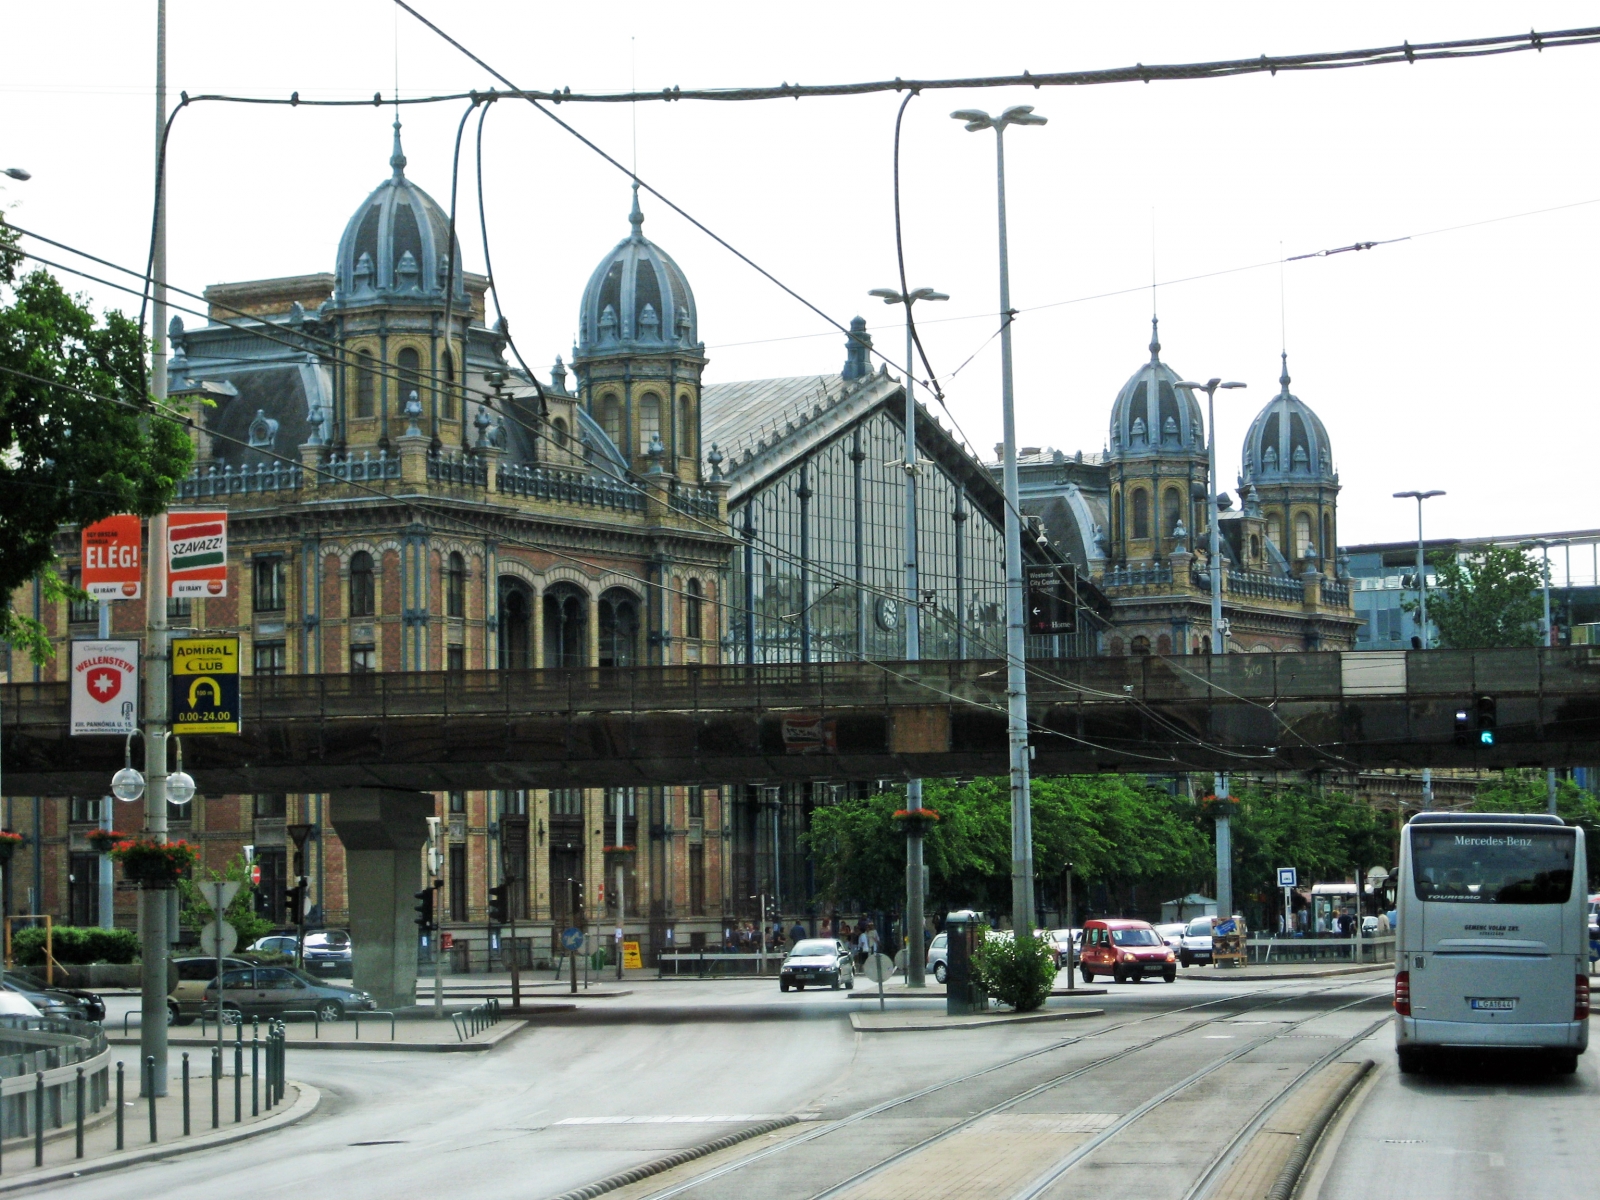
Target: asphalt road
pixel 631 1078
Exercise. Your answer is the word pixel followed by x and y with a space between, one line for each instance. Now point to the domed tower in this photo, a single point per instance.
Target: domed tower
pixel 1157 461
pixel 388 310
pixel 639 357
pixel 1288 460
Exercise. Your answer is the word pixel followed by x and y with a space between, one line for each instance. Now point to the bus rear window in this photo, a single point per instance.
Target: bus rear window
pixel 1493 864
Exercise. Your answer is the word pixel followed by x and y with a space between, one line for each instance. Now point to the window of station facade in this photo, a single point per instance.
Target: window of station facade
pixel 84 810
pixel 693 601
pixel 619 628
pixel 566 615
pixel 410 365
pixel 455 658
pixel 366 386
pixel 269 658
pixel 362 593
pixel 80 611
pixel 455 585
pixel 271 584
pixel 516 624
pixel 363 659
pixel 180 611
pixel 649 420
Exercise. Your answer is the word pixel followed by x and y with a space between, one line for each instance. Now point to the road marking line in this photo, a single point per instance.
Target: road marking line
pixel 671 1120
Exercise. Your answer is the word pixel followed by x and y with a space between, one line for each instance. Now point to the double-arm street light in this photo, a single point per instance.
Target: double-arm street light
pixel 1022 910
pixel 1422 613
pixel 1219 628
pixel 915 964
pixel 1550 640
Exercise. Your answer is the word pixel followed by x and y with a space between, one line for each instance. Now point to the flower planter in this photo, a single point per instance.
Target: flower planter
pixel 153 864
pixel 915 820
pixel 8 844
pixel 104 841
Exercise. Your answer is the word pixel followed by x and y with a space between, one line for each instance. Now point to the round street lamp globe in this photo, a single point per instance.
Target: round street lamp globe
pixel 127 784
pixel 180 787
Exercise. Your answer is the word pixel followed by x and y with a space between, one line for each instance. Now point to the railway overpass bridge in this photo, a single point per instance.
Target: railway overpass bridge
pixel 423 731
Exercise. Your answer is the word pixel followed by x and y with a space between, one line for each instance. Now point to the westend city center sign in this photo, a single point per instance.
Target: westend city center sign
pixel 197 554
pixel 205 685
pixel 105 687
pixel 112 568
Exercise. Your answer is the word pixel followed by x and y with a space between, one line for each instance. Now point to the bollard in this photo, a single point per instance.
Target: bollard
pixel 272 1065
pixel 238 1080
pixel 216 1086
pixel 185 1093
pixel 150 1092
pixel 119 1106
pixel 38 1119
pixel 79 1114
pixel 255 1072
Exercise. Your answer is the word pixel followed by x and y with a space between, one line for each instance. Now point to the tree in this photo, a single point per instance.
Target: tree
pixel 1489 597
pixel 70 453
pixel 1525 791
pixel 1326 835
pixel 196 911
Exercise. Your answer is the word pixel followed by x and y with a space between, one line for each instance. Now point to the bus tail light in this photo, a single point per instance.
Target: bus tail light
pixel 1580 1005
pixel 1402 994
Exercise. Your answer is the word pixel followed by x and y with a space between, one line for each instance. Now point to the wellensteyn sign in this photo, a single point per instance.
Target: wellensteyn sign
pixel 105 688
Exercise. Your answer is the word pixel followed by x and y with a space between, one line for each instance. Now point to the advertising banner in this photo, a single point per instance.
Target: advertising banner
pixel 197 554
pixel 112 569
pixel 205 685
pixel 105 688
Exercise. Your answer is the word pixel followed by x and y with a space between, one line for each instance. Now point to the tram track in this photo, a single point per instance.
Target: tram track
pixel 1025 1094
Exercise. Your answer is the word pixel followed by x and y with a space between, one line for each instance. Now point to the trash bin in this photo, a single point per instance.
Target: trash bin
pixel 962 995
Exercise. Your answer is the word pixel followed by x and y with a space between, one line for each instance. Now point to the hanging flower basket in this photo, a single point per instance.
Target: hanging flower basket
pixel 8 844
pixel 104 841
pixel 154 864
pixel 915 820
pixel 1212 807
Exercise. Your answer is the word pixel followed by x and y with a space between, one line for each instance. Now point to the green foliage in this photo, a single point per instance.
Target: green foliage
pixel 1108 826
pixel 241 914
pixel 1490 597
pixel 1019 971
pixel 75 946
pixel 1525 791
pixel 1327 836
pixel 66 457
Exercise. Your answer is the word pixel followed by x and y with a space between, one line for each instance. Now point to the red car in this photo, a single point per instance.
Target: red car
pixel 1125 950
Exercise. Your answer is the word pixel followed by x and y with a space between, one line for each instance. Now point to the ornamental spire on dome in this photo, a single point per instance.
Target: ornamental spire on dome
pixel 397 160
pixel 1155 338
pixel 636 218
pixel 1283 379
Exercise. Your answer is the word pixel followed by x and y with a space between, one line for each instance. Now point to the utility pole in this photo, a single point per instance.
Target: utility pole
pixel 1022 906
pixel 622 896
pixel 1550 640
pixel 153 934
pixel 108 885
pixel 1422 613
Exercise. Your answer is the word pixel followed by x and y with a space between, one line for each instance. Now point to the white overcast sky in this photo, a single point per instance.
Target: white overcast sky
pixel 1452 360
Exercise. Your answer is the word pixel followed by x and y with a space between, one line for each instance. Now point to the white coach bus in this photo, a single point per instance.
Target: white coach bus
pixel 1492 948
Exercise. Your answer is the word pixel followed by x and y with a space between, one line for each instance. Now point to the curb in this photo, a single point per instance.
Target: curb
pixel 1240 977
pixel 978 1023
pixel 1289 1178
pixel 494 1038
pixel 612 1182
pixel 305 1104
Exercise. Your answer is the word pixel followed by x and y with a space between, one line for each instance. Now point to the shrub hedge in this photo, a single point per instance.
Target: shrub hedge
pixel 75 945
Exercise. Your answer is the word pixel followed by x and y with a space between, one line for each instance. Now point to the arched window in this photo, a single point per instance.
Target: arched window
pixel 1275 531
pixel 1116 522
pixel 1171 511
pixel 611 418
pixel 455 585
pixel 1141 645
pixel 558 431
pixel 1164 644
pixel 410 378
pixel 619 628
pixel 1141 514
pixel 366 386
pixel 686 428
pixel 1327 535
pixel 449 405
pixel 566 616
pixel 516 624
pixel 361 590
pixel 649 420
pixel 1255 545
pixel 693 602
pixel 1302 536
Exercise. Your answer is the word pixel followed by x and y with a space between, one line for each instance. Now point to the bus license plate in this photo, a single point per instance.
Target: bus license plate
pixel 1494 1003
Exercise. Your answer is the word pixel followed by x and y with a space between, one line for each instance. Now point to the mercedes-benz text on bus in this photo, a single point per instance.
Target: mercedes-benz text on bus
pixel 1492 949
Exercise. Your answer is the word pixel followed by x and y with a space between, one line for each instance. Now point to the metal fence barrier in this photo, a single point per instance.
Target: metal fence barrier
pixel 470 1022
pixel 377 1012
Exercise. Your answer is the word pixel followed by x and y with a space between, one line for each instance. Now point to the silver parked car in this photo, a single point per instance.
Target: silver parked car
pixel 818 961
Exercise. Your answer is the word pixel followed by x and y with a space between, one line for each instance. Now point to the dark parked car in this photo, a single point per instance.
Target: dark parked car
pixel 186 1001
pixel 817 961
pixel 273 991
pixel 328 951
pixel 53 1000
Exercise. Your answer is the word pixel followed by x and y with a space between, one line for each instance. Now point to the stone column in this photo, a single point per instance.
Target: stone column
pixel 413 449
pixel 383 831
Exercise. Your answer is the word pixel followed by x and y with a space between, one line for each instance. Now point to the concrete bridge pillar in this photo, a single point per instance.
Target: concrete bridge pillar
pixel 383 831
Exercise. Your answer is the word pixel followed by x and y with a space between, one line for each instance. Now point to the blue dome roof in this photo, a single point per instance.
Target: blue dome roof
pixel 394 246
pixel 637 300
pixel 1287 442
pixel 1153 416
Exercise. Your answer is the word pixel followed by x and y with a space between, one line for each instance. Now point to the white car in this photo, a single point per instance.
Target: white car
pixel 1172 934
pixel 14 1004
pixel 1061 939
pixel 1195 945
pixel 939 955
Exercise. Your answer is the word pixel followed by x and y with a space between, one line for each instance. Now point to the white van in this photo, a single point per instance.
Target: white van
pixel 1492 949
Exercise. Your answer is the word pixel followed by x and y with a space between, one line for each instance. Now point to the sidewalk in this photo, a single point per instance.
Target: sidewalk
pixel 100 1151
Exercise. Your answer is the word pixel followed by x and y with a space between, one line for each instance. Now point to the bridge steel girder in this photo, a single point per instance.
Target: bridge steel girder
pixel 419 731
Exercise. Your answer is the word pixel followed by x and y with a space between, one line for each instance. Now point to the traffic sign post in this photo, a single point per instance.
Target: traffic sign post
pixel 878 968
pixel 219 893
pixel 1288 877
pixel 205 685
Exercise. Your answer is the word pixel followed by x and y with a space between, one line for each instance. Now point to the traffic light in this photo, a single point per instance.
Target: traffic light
pixel 1487 720
pixel 294 899
pixel 425 910
pixel 500 904
pixel 1463 733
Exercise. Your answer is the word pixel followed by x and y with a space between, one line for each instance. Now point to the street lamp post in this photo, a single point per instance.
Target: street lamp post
pixel 1022 910
pixel 1219 630
pixel 915 965
pixel 1549 640
pixel 1422 613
